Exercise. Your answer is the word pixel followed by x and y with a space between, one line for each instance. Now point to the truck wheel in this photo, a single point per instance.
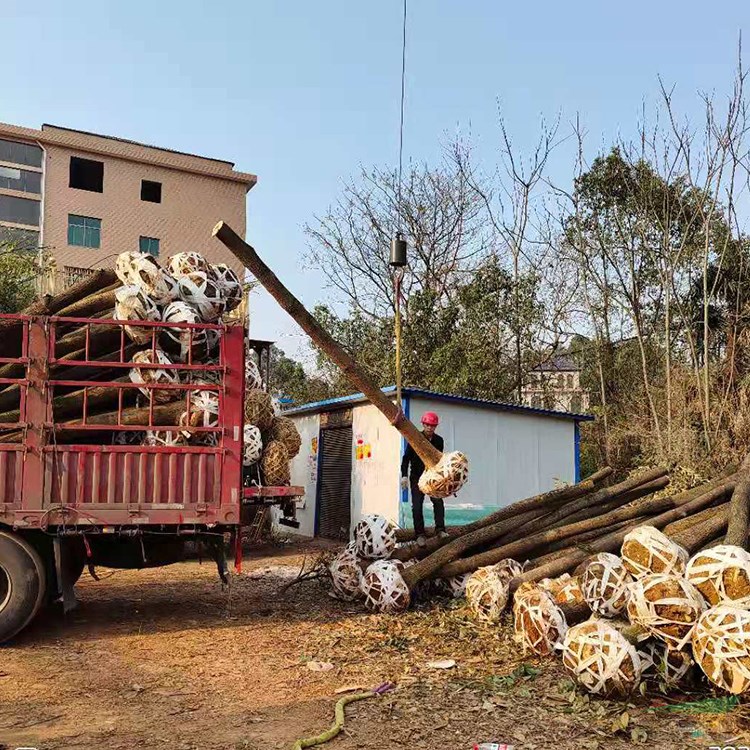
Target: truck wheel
pixel 23 584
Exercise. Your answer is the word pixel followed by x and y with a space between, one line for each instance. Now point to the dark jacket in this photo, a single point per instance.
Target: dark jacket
pixel 412 461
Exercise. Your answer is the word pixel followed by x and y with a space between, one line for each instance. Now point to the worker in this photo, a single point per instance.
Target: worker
pixel 411 470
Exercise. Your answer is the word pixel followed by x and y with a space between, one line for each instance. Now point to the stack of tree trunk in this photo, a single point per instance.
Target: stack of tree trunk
pixel 187 290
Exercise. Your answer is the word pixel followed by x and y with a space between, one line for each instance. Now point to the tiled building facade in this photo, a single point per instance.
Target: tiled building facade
pixel 86 198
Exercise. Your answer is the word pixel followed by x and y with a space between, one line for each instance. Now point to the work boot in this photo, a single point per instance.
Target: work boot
pixel 421 541
pixel 442 534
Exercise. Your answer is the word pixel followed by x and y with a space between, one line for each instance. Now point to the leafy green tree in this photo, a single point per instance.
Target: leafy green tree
pixel 19 271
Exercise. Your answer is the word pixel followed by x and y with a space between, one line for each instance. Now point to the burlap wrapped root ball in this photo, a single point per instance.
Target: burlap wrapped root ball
pixel 274 465
pixel 384 588
pixel 447 476
pixel 375 537
pixel 284 429
pixel 565 589
pixel 155 375
pixel 667 606
pixel 487 594
pixel 670 666
pixel 229 284
pixel 601 659
pixel 722 575
pixel 605 584
pixel 186 343
pixel 182 264
pixel 721 647
pixel 132 303
pixel 143 270
pixel 647 550
pixel 252 445
pixel 538 623
pixel 203 412
pixel 259 409
pixel 346 575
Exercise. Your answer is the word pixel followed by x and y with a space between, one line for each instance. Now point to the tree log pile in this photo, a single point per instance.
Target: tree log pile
pixel 152 393
pixel 626 581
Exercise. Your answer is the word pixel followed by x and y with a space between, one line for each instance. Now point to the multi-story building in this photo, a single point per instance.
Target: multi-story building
pixel 556 384
pixel 85 198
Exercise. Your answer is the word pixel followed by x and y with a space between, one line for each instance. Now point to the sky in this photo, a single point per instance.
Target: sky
pixel 304 93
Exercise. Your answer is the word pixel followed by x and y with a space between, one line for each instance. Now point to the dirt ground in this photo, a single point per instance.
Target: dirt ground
pixel 169 659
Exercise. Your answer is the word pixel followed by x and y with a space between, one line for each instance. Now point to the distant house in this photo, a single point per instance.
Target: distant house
pixel 556 384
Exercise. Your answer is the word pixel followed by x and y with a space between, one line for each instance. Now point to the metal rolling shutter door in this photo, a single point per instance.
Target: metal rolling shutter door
pixel 335 483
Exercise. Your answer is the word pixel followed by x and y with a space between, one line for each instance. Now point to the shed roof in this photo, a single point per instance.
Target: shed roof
pixel 354 399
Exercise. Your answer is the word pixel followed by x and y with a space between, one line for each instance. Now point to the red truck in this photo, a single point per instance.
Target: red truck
pixel 71 495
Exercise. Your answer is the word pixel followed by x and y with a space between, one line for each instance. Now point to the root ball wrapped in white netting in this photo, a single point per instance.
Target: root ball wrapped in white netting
pixel 384 588
pixel 647 550
pixel 229 284
pixel 538 623
pixel 669 665
pixel 253 379
pixel 375 537
pixel 164 438
pixel 667 606
pixel 487 594
pixel 447 476
pixel 722 575
pixel 346 575
pixel 605 584
pixel 204 294
pixel 132 303
pixel 508 569
pixel 143 270
pixel 154 376
pixel 204 412
pixel 252 445
pixel 601 659
pixel 721 647
pixel 182 264
pixel 565 589
pixel 178 341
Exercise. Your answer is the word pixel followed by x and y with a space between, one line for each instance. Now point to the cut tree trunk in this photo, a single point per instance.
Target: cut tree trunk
pixel 739 508
pixel 102 338
pixel 323 340
pixel 614 541
pixel 94 303
pixel 697 536
pixel 518 550
pixel 678 528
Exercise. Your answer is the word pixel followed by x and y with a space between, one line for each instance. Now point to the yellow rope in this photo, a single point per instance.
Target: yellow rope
pixel 337 725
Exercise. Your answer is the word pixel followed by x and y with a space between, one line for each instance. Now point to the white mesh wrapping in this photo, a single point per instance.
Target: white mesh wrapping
pixel 375 536
pixel 508 569
pixel 181 264
pixel 204 412
pixel 669 665
pixel 601 659
pixel 132 303
pixel 666 606
pixel 177 340
pixel 154 376
pixel 647 550
pixel 487 594
pixel 565 589
pixel 129 437
pixel 722 575
pixel 163 438
pixel 457 585
pixel 447 476
pixel 721 647
pixel 142 269
pixel 605 584
pixel 204 294
pixel 346 575
pixel 538 623
pixel 230 285
pixel 253 379
pixel 252 445
pixel 384 588
pixel 276 404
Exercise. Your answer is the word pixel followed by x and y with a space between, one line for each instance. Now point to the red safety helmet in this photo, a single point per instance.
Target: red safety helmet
pixel 430 418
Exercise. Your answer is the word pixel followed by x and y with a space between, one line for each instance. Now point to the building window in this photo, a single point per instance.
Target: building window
pixel 19 210
pixel 21 239
pixel 12 178
pixel 151 191
pixel 149 245
pixel 20 153
pixel 84 231
pixel 86 174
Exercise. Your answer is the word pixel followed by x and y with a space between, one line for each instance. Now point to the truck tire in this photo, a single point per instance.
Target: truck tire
pixel 23 584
